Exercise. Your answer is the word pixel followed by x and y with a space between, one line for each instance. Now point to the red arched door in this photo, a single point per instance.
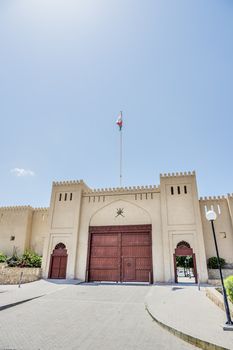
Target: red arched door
pixel 58 262
pixel 183 249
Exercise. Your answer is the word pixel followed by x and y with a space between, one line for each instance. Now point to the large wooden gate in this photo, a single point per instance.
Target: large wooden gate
pixel 120 253
pixel 58 262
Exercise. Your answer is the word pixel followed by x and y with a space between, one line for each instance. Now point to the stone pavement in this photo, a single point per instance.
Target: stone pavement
pixel 189 311
pixel 83 317
pixel 10 294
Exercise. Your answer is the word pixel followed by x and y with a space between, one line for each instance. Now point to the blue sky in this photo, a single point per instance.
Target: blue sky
pixel 67 67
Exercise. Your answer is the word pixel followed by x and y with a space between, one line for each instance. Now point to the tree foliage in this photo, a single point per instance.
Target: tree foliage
pixel 184 261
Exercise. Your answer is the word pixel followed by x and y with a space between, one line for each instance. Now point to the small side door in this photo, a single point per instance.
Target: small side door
pixel 129 269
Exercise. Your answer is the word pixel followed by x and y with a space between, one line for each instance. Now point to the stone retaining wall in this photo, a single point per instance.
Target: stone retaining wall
pixel 214 273
pixel 11 275
pixel 217 298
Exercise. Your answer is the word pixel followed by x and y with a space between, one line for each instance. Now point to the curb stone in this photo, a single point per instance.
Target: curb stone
pixel 188 338
pixel 217 299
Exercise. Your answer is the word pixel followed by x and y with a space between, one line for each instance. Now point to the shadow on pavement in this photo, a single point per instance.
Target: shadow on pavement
pixel 4 307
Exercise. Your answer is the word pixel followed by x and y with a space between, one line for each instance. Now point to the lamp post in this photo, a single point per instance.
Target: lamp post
pixel 212 216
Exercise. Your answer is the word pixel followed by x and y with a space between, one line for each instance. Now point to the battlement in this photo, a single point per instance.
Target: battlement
pixel 19 207
pixel 130 189
pixel 41 209
pixel 189 173
pixel 24 207
pixel 68 183
pixel 212 198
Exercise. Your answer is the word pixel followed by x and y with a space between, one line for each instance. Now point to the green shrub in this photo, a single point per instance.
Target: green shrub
pixel 13 260
pixel 228 282
pixel 30 259
pixel 212 262
pixel 3 257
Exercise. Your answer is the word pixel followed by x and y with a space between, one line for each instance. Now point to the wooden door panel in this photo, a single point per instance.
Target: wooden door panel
pixel 143 275
pixel 104 258
pixel 55 267
pixel 104 240
pixel 118 255
pixel 58 266
pixel 144 251
pixel 129 271
pixel 56 262
pixel 135 239
pixel 104 275
pixel 104 251
pixel 143 263
pixel 106 263
pixel 62 270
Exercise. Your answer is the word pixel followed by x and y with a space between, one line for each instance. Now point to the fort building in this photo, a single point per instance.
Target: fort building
pixel 121 234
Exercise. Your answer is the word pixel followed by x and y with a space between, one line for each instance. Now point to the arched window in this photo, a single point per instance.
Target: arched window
pixel 60 246
pixel 183 244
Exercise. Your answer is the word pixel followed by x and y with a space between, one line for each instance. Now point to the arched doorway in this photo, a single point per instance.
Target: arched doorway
pixel 185 257
pixel 58 262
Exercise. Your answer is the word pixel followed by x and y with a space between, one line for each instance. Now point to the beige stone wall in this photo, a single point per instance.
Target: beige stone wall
pixel 223 228
pixel 28 226
pixel 181 220
pixel 214 273
pixel 12 275
pixel 173 217
pixel 141 206
pixel 15 222
pixel 39 230
pixel 63 223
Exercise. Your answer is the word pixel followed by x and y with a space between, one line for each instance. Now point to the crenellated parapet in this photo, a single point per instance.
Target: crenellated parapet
pixel 71 185
pixel 24 207
pixel 41 209
pixel 17 208
pixel 68 183
pixel 212 198
pixel 189 173
pixel 122 190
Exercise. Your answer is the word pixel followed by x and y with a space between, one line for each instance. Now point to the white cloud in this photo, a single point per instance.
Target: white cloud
pixel 22 172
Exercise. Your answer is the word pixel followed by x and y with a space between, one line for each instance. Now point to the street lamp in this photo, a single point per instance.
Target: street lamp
pixel 211 216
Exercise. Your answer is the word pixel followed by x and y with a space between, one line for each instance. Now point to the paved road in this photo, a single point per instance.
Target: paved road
pixel 86 317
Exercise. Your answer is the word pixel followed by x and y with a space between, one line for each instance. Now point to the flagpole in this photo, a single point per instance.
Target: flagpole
pixel 121 153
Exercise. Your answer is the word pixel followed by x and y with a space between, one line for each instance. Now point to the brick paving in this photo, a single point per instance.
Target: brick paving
pixel 83 317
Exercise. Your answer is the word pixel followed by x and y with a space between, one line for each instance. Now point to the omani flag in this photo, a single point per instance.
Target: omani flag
pixel 119 121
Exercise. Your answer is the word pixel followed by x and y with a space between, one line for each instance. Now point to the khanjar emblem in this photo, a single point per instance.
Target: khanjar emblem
pixel 120 212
